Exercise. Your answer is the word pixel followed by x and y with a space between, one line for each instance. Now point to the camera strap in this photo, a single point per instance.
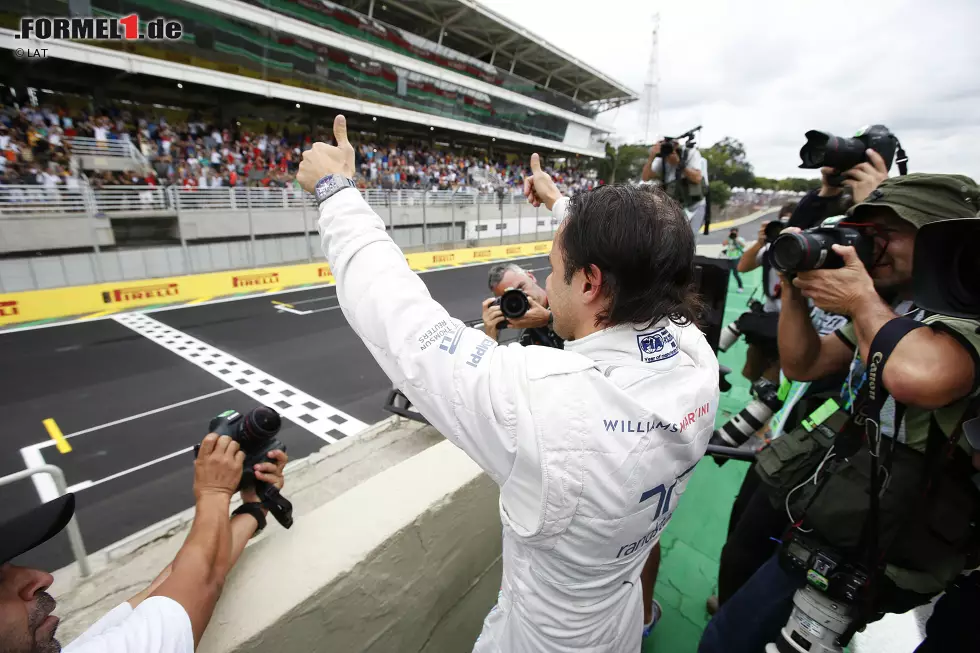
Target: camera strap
pixel 902 159
pixel 882 346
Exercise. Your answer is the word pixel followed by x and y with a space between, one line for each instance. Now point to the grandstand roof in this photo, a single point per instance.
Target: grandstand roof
pixel 469 27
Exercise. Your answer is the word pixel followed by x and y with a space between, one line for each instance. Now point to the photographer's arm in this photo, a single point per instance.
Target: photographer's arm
pixel 693 175
pixel 750 257
pixel 198 572
pixel 649 173
pixel 928 368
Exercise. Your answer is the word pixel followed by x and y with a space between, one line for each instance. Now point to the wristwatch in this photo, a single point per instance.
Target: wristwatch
pixel 330 185
pixel 255 509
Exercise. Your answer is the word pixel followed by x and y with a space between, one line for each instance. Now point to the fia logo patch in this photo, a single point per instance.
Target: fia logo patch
pixel 656 345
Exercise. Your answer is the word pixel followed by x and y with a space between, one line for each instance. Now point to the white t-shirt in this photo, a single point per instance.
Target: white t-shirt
pixel 693 162
pixel 157 625
pixel 101 133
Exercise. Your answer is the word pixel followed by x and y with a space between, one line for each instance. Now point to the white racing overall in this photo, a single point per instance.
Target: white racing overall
pixel 591 446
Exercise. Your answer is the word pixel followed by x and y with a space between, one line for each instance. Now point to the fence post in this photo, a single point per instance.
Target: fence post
pixel 251 227
pixel 306 228
pixel 93 219
pixel 391 213
pixel 180 229
pixel 501 223
pixel 425 228
pixel 520 227
pixel 452 215
pixel 476 200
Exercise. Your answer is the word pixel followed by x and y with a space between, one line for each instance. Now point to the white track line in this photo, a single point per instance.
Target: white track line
pixel 51 443
pixel 43 483
pixel 84 485
pixel 320 419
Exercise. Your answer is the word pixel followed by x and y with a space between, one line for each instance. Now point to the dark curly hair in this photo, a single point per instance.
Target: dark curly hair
pixel 641 241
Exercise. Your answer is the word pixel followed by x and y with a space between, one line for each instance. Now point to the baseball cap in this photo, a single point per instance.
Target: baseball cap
pixel 35 527
pixel 921 198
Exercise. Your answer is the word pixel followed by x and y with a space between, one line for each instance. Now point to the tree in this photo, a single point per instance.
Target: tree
pixel 720 192
pixel 623 163
pixel 727 162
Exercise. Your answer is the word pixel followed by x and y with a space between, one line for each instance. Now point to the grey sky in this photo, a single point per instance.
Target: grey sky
pixel 766 71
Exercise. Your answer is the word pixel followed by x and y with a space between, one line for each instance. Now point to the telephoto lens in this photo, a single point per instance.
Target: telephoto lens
pixel 729 336
pixel 736 431
pixel 260 425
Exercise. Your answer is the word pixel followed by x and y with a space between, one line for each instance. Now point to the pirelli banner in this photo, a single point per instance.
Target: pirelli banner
pixel 105 298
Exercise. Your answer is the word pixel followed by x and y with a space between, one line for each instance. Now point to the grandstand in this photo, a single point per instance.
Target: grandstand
pixel 129 145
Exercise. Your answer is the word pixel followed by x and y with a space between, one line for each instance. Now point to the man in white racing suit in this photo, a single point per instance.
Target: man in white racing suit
pixel 592 445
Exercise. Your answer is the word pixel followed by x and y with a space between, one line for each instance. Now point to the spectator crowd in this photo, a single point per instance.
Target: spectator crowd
pixel 35 142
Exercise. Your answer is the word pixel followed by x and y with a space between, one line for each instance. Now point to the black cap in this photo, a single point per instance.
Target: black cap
pixel 35 527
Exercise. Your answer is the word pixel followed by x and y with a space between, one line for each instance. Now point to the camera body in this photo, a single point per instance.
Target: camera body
pixel 667 148
pixel 514 304
pixel 840 153
pixel 825 568
pixel 811 249
pixel 255 432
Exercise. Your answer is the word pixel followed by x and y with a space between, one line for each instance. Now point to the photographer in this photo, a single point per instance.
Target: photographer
pixel 733 248
pixel 583 499
pixel 170 615
pixel 678 169
pixel 931 375
pixel 762 357
pixel 535 322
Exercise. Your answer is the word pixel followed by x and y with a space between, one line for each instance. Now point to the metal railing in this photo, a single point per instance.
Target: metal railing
pixel 72 530
pixel 82 198
pixel 87 146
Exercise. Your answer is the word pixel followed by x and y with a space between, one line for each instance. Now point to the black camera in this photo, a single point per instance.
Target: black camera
pixel 824 149
pixel 811 249
pixel 255 432
pixel 513 304
pixel 667 148
pixel 773 229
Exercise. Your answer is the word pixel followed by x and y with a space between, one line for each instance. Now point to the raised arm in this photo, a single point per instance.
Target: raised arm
pixel 458 377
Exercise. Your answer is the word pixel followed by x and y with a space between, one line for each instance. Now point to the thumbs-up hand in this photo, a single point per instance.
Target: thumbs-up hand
pixel 539 188
pixel 322 159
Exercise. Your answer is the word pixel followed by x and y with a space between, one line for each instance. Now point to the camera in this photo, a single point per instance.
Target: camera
pixel 824 149
pixel 824 609
pixel 734 330
pixel 773 229
pixel 667 148
pixel 513 304
pixel 255 432
pixel 736 431
pixel 811 249
pixel 670 144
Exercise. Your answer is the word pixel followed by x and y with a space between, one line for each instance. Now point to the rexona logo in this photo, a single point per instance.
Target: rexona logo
pixel 138 293
pixel 481 253
pixel 514 250
pixel 541 247
pixel 443 258
pixel 323 271
pixel 251 280
pixel 8 309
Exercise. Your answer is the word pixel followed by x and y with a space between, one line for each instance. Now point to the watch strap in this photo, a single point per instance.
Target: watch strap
pixel 255 509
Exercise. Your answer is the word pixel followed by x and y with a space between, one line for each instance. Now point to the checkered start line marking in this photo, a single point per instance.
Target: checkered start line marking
pixel 320 419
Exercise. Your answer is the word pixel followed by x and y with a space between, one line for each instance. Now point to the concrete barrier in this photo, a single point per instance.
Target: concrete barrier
pixel 396 547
